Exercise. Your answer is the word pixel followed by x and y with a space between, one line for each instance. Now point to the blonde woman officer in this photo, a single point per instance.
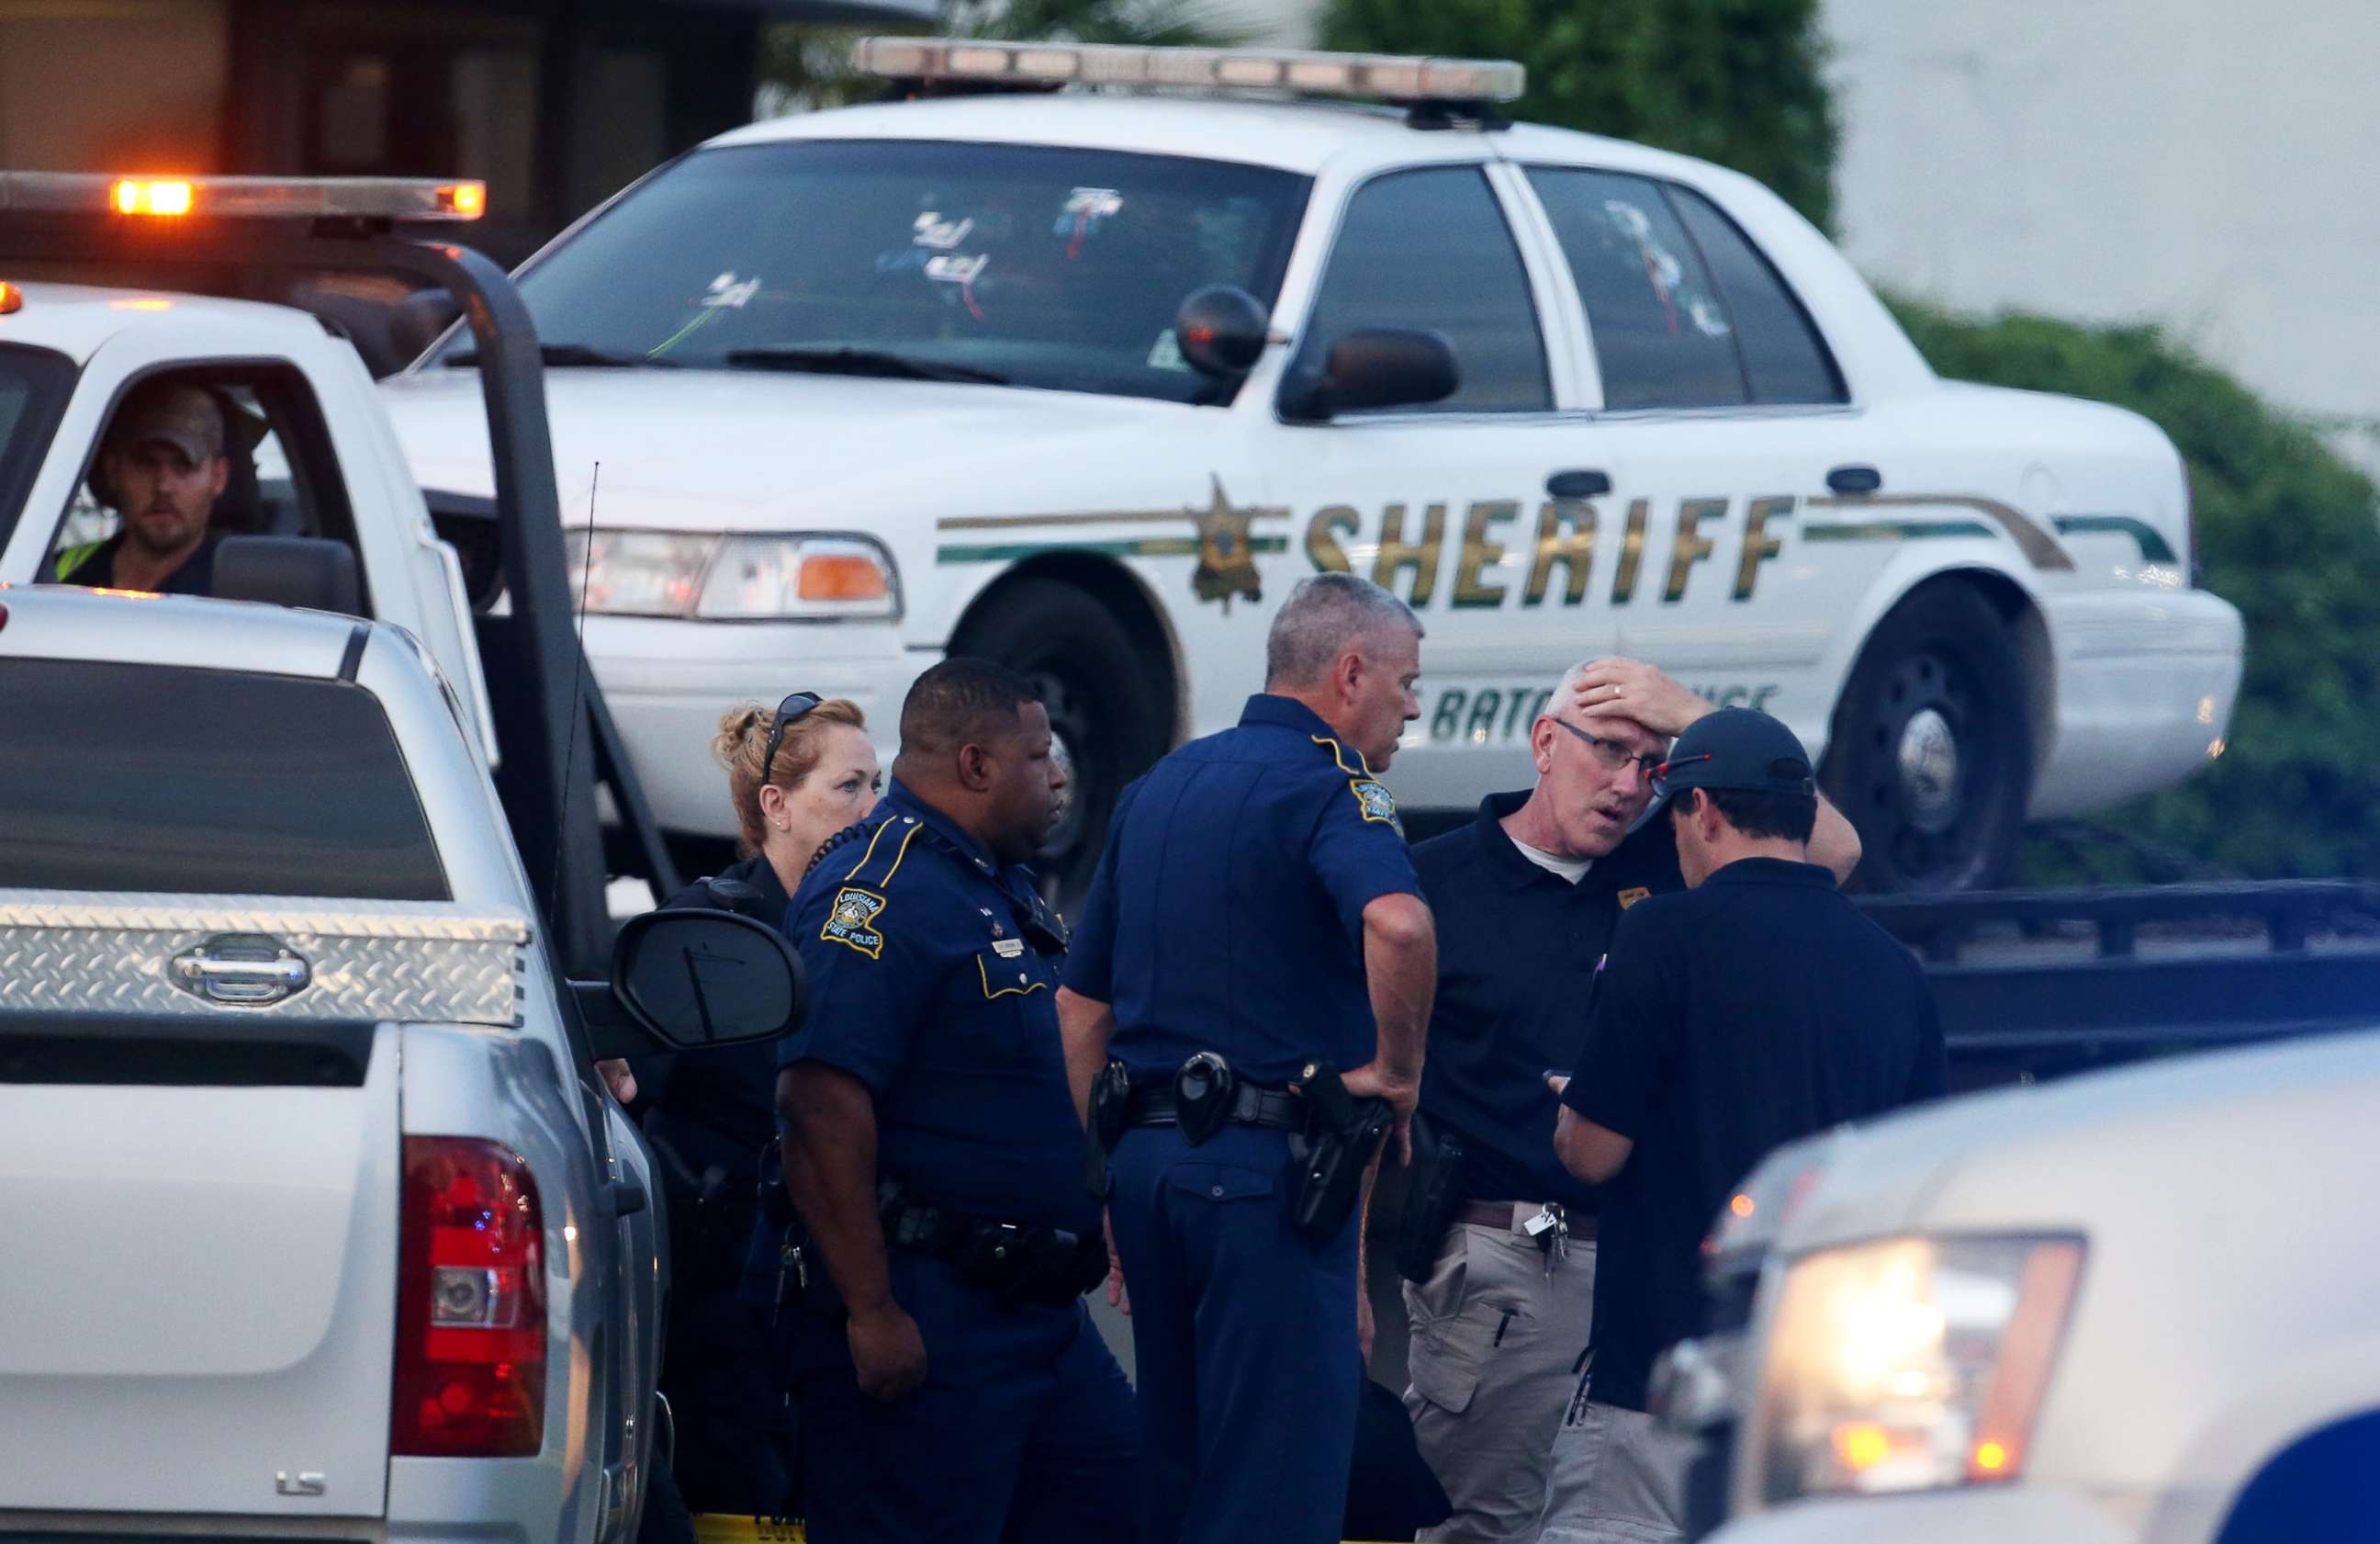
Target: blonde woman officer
pixel 796 777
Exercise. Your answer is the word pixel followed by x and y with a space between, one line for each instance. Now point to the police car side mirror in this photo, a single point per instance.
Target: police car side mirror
pixel 1220 331
pixel 1370 369
pixel 695 978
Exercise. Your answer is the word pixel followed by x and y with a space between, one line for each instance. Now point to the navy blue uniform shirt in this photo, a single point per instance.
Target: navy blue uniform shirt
pixel 924 988
pixel 195 577
pixel 1730 1020
pixel 1517 948
pixel 1228 911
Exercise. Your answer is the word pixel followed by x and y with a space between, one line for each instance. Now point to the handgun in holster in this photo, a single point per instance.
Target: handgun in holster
pixel 1431 1206
pixel 1110 1091
pixel 1328 1159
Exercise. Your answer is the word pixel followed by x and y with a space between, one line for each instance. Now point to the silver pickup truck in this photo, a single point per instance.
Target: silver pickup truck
pixel 314 1222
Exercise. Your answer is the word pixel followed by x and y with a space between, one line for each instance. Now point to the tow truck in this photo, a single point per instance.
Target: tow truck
pixel 319 1219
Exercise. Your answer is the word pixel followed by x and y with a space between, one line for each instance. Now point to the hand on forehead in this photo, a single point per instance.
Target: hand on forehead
pixel 1613 691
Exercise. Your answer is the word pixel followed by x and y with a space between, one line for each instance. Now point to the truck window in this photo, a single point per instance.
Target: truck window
pixel 284 472
pixel 34 384
pixel 1430 249
pixel 167 778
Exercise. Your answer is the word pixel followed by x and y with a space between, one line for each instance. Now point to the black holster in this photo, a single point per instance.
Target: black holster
pixel 1111 1091
pixel 1328 1159
pixel 1431 1206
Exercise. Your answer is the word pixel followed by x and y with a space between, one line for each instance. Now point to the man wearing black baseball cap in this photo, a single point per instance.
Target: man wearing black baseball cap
pixel 1755 1007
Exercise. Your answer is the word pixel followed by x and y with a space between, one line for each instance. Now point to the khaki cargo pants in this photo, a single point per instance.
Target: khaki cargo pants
pixel 1494 1357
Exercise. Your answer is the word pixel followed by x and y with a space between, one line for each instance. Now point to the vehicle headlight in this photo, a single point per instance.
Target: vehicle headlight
pixel 1910 1364
pixel 741 578
pixel 800 575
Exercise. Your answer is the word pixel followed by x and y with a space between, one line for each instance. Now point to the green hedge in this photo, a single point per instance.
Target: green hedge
pixel 1736 82
pixel 2287 532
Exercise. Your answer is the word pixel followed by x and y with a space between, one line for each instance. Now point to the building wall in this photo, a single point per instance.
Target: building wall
pixel 101 84
pixel 2189 162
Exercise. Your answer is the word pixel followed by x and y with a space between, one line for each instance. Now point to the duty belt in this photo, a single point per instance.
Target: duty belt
pixel 1016 1262
pixel 1273 1109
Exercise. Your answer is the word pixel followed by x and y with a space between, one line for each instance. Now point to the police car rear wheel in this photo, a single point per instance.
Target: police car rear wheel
pixel 1111 709
pixel 1931 755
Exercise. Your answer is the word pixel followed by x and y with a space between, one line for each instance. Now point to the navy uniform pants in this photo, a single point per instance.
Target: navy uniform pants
pixel 1023 1432
pixel 1245 1337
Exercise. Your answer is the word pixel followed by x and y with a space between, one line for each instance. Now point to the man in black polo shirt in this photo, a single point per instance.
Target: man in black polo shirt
pixel 1526 898
pixel 1759 1007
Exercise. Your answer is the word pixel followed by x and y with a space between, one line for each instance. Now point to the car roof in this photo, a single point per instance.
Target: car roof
pixel 71 623
pixel 1293 136
pixel 76 319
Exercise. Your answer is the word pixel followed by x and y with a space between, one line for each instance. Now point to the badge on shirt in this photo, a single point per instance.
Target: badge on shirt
pixel 1633 895
pixel 1373 797
pixel 847 924
pixel 1008 948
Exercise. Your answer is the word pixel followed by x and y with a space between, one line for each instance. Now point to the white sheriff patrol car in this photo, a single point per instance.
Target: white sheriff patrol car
pixel 1083 378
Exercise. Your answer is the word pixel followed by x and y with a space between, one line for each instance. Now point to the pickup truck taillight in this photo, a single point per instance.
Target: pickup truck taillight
pixel 470 1315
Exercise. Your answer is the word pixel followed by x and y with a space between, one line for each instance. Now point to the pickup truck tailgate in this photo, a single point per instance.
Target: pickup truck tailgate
pixel 201 1297
pixel 200 1192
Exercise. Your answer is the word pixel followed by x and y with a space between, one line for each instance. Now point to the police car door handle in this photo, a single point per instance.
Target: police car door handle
pixel 1584 483
pixel 1854 480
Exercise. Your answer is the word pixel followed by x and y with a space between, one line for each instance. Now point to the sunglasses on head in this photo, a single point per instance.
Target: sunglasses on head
pixel 793 710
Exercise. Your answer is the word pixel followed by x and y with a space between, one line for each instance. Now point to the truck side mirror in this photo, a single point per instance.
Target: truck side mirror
pixel 1220 331
pixel 697 977
pixel 1368 369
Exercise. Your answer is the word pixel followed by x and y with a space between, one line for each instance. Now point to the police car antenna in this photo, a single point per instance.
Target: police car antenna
pixel 577 688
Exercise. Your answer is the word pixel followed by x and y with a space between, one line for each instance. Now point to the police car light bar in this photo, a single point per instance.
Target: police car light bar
pixel 1376 76
pixel 286 197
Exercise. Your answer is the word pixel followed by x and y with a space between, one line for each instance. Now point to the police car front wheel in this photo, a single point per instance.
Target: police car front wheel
pixel 1110 696
pixel 1931 757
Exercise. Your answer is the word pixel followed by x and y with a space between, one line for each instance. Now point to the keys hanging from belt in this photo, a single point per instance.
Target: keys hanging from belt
pixel 1551 1230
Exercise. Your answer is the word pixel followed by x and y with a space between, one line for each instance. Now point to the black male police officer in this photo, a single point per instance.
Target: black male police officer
pixel 951 1386
pixel 1255 911
pixel 1757 1007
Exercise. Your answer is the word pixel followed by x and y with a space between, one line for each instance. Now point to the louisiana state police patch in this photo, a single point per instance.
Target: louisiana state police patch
pixel 1373 797
pixel 851 923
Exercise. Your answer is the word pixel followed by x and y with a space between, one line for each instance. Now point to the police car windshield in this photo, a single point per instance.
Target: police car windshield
pixel 1032 265
pixel 33 387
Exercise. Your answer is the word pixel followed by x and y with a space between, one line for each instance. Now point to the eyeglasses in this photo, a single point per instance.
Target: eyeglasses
pixel 1611 754
pixel 1660 775
pixel 792 711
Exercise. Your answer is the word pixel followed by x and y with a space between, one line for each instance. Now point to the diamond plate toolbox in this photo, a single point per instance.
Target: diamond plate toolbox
pixel 406 962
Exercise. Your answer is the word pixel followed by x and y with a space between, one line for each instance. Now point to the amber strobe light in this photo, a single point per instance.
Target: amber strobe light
pixel 161 196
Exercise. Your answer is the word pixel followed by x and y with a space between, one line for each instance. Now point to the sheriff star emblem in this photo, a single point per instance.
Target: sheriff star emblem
pixel 1226 556
pixel 850 923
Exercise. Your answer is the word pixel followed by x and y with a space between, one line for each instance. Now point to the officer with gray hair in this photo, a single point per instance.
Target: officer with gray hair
pixel 1256 959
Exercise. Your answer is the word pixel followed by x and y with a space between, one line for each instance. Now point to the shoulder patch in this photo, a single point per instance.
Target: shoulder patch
pixel 1633 895
pixel 852 921
pixel 1372 797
